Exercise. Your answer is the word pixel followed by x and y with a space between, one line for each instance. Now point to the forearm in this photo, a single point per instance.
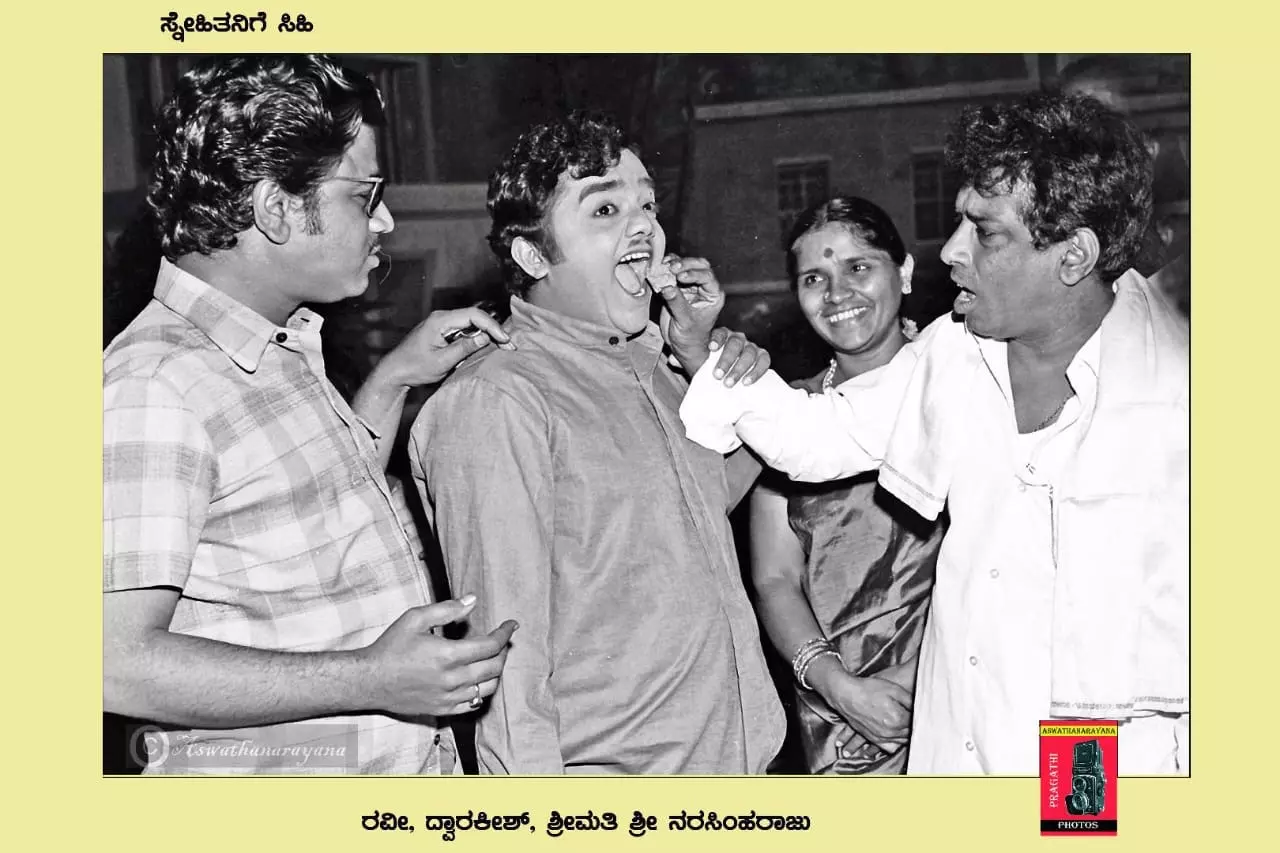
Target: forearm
pixel 197 682
pixel 808 437
pixel 380 402
pixel 790 623
pixel 788 619
pixel 691 358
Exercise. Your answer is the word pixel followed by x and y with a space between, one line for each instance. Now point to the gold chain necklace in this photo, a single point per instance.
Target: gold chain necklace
pixel 909 331
pixel 828 381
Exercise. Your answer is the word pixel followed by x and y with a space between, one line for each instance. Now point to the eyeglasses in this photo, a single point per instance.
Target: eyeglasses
pixel 375 197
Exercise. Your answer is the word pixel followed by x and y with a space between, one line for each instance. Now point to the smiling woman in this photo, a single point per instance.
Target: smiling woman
pixel 841 569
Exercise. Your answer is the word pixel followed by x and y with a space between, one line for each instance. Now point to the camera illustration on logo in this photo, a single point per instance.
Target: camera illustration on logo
pixel 1088 781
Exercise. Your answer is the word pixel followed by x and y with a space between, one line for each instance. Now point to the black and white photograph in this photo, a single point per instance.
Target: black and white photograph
pixel 644 414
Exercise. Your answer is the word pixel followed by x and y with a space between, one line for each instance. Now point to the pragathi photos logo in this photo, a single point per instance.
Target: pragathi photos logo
pixel 1079 763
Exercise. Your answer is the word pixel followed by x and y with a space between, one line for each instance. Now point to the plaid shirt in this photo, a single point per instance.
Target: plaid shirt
pixel 234 472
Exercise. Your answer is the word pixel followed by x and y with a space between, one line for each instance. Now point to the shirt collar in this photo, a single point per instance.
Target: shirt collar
pixel 239 331
pixel 1082 371
pixel 581 333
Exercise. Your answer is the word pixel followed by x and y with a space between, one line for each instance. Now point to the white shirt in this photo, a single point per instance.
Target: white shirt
pixel 984 677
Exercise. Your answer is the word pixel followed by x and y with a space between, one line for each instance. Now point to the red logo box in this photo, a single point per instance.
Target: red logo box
pixel 1079 766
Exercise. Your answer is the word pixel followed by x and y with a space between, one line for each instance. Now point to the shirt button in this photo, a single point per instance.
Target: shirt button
pixel 436 739
pixel 281 337
pixel 995 573
pixel 973 661
pixel 613 341
pixel 968 745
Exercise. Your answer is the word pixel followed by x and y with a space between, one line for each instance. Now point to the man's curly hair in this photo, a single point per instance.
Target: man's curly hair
pixel 522 189
pixel 1072 162
pixel 234 121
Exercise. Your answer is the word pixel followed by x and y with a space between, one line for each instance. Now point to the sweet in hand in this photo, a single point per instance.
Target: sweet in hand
pixel 660 275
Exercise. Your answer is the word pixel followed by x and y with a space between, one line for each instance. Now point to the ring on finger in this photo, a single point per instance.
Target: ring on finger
pixel 475 700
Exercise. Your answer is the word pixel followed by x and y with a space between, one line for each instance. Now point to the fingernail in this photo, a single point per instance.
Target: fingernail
pixel 718 373
pixel 467 600
pixel 713 346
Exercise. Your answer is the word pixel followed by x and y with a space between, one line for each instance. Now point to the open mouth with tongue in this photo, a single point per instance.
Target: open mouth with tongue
pixel 631 272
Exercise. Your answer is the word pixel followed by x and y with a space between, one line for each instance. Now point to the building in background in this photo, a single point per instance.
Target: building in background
pixel 755 164
pixel 738 145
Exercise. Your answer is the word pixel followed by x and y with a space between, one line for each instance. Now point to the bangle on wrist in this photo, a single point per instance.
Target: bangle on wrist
pixel 806 654
pixel 804 670
pixel 806 650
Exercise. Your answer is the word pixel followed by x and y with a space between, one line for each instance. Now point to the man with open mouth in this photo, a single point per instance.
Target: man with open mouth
pixel 566 495
pixel 1050 415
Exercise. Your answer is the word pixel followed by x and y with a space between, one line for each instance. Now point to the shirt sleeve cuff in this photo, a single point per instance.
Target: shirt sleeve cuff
pixel 709 411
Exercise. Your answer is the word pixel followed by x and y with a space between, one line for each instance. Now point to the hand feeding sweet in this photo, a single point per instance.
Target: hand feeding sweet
pixel 660 275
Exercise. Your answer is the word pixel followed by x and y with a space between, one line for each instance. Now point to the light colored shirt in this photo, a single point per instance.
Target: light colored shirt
pixel 566 497
pixel 985 672
pixel 235 473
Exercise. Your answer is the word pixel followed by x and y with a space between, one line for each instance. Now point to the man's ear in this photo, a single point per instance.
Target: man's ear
pixel 272 211
pixel 1080 256
pixel 908 267
pixel 530 258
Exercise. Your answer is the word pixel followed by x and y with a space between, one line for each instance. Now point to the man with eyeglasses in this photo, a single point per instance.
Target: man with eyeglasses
pixel 264 595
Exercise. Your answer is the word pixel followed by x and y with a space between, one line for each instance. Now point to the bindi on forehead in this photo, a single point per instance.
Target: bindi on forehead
pixel 828 253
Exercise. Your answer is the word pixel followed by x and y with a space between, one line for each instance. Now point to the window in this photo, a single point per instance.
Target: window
pixel 934 188
pixel 405 143
pixel 801 185
pixel 406 147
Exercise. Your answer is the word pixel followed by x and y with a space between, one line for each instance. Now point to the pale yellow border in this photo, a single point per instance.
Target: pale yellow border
pixel 51 185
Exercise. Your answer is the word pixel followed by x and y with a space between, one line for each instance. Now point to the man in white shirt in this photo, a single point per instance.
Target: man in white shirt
pixel 1050 415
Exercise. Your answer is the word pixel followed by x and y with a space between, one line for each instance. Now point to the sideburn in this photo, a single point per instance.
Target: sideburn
pixel 311 209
